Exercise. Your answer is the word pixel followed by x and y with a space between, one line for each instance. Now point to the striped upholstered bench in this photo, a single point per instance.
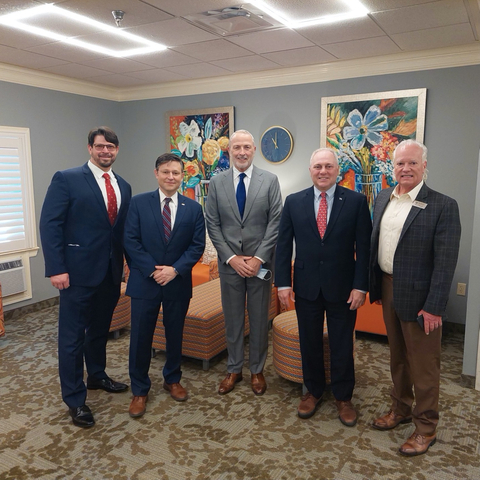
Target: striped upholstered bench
pixel 287 359
pixel 122 313
pixel 204 330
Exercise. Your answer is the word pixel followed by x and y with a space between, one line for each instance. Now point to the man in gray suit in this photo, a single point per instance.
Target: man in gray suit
pixel 415 241
pixel 243 214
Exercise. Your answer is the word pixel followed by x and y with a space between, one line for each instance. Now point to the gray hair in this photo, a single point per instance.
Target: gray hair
pixel 244 132
pixel 408 142
pixel 325 149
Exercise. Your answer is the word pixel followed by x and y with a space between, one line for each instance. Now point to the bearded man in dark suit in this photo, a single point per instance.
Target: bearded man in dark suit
pixel 415 242
pixel 81 228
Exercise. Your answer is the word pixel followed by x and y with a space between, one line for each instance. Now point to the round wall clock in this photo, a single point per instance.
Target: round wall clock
pixel 276 144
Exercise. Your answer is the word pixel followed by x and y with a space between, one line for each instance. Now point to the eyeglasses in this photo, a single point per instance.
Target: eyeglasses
pixel 99 147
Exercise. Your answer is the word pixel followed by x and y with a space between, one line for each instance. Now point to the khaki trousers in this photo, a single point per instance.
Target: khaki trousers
pixel 414 365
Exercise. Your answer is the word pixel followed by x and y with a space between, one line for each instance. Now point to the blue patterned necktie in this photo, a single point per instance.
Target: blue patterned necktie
pixel 241 194
pixel 167 219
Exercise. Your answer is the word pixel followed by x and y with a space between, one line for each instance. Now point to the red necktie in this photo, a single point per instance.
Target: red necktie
pixel 167 219
pixel 111 199
pixel 322 214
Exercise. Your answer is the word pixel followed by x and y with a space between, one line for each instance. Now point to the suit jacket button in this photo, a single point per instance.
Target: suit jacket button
pixel 321 263
pixel 323 244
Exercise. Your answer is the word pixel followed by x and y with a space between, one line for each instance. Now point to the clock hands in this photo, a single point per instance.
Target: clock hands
pixel 275 141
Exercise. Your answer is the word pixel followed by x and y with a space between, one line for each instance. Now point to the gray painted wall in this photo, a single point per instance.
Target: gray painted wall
pixel 59 124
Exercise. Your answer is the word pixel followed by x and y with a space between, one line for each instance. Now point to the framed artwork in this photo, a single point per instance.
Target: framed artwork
pixel 200 138
pixel 365 129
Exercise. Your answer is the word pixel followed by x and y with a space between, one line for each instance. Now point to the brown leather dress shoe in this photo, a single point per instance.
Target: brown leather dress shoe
pixel 228 383
pixel 259 385
pixel 308 405
pixel 177 392
pixel 346 413
pixel 138 406
pixel 417 444
pixel 390 420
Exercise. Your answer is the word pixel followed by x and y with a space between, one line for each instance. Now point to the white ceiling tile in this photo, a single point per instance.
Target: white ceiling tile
pixel 368 47
pixel 213 50
pixel 421 17
pixel 199 70
pixel 21 58
pixel 165 58
pixel 300 56
pixel 118 81
pixel 157 76
pixel 247 64
pixel 65 52
pixel 302 9
pixel 136 12
pixel 435 37
pixel 75 70
pixel 117 65
pixel 379 5
pixel 19 39
pixel 180 8
pixel 354 29
pixel 271 41
pixel 172 32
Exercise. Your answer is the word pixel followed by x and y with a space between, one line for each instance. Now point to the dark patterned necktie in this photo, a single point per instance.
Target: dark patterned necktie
pixel 111 199
pixel 167 219
pixel 241 194
pixel 322 214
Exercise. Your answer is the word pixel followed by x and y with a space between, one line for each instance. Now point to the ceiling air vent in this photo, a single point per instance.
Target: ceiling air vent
pixel 233 20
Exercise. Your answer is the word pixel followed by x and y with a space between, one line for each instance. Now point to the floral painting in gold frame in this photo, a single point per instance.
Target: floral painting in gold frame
pixel 365 129
pixel 200 139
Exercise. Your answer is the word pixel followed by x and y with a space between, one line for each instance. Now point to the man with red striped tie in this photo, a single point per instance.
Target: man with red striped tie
pixel 164 239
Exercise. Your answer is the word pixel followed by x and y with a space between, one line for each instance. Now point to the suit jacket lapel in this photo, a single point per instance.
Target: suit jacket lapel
pixel 253 189
pixel 229 187
pixel 308 205
pixel 123 193
pixel 157 212
pixel 414 211
pixel 181 209
pixel 338 202
pixel 92 182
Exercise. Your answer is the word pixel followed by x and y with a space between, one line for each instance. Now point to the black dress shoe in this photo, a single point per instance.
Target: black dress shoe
pixel 82 416
pixel 106 384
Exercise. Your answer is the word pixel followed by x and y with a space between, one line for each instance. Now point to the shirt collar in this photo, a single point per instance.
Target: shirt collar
pixel 247 172
pixel 412 193
pixel 98 172
pixel 329 192
pixel 174 197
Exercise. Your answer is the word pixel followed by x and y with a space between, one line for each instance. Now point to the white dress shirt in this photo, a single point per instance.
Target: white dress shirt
pixel 391 225
pixel 173 205
pixel 97 173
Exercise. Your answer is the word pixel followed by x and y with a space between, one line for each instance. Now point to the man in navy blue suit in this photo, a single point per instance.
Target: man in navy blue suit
pixel 164 239
pixel 81 228
pixel 331 227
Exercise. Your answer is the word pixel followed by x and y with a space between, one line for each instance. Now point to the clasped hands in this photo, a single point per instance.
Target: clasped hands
pixel 164 274
pixel 245 266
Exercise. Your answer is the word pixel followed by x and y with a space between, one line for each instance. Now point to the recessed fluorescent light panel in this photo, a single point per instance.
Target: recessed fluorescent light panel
pixel 64 26
pixel 354 9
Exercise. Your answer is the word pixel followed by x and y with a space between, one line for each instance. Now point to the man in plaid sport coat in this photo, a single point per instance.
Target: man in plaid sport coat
pixel 415 241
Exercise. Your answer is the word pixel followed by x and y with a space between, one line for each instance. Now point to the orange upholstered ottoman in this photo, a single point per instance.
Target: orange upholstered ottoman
pixel 287 359
pixel 204 330
pixel 121 314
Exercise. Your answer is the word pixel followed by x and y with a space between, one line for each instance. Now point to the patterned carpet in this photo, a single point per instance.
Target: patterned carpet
pixel 237 436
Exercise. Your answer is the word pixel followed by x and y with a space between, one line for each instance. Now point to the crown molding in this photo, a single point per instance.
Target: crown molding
pixel 50 81
pixel 460 56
